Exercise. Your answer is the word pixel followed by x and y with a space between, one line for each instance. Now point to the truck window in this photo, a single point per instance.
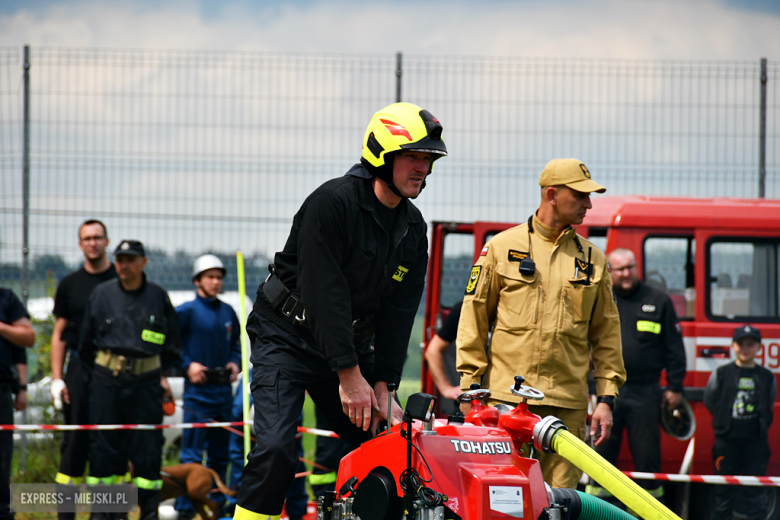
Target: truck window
pixel 743 279
pixel 668 265
pixel 598 236
pixel 456 266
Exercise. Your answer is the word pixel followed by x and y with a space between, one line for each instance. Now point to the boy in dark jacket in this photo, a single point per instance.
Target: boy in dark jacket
pixel 740 396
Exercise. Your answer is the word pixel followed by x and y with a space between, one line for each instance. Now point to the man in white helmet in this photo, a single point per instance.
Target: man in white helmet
pixel 211 355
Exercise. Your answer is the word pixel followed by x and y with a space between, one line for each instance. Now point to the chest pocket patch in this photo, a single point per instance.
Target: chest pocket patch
pixel 400 273
pixel 153 337
pixel 648 326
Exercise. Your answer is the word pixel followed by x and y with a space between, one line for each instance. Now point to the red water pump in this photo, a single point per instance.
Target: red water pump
pixel 468 468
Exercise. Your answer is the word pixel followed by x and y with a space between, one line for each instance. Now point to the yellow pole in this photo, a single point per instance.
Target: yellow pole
pixel 244 351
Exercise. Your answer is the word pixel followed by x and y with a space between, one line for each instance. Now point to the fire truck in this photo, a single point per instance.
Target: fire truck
pixel 716 258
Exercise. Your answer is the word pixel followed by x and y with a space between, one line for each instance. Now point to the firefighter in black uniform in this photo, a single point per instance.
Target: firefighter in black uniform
pixel 131 334
pixel 15 332
pixel 651 343
pixel 354 265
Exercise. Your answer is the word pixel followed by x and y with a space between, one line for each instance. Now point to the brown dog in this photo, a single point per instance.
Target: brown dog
pixel 194 481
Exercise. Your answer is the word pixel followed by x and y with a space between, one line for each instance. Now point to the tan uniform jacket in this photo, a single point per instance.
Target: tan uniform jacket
pixel 544 323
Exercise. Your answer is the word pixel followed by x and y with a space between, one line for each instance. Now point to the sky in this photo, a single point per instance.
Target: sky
pixel 695 30
pixel 659 29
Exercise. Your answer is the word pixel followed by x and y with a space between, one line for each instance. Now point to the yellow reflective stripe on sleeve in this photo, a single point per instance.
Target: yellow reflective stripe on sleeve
pixel 153 337
pixel 113 479
pixel 597 491
pixel 144 483
pixel 245 514
pixel 322 478
pixel 648 326
pixel 62 478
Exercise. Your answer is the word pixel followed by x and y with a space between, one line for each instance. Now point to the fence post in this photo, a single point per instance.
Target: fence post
pixel 25 217
pixel 26 181
pixel 762 135
pixel 398 74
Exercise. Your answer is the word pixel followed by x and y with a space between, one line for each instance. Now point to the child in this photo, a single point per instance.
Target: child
pixel 740 396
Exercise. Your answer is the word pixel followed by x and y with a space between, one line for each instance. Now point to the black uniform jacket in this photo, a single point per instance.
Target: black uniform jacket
pixel 344 266
pixel 136 324
pixel 722 389
pixel 651 338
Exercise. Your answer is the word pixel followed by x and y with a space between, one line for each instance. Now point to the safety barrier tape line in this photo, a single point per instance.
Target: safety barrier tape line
pixel 315 431
pixel 72 427
pixel 734 480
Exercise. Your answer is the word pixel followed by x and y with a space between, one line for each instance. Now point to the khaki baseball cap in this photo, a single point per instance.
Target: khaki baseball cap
pixel 569 172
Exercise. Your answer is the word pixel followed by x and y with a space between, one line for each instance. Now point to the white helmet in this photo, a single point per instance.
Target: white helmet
pixel 206 262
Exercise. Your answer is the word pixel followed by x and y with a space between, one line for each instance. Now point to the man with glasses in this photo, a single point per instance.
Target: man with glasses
pixel 70 377
pixel 651 343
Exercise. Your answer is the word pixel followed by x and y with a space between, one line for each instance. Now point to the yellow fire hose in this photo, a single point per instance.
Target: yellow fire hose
pixel 609 477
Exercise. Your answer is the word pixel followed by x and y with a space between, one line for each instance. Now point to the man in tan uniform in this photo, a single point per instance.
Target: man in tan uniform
pixel 549 295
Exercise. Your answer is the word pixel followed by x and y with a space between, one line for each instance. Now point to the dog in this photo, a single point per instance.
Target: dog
pixel 193 480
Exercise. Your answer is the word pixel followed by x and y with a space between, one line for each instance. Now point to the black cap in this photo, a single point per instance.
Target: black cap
pixel 746 331
pixel 130 247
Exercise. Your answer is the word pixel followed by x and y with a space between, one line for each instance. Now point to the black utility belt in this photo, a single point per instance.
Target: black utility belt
pixel 284 301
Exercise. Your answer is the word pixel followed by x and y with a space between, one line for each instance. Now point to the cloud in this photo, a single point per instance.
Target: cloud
pixel 665 29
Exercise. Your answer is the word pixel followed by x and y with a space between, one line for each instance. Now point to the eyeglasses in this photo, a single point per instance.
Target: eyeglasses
pixel 621 269
pixel 97 238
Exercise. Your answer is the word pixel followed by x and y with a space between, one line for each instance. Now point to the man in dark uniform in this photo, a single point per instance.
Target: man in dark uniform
pixel 15 332
pixel 131 334
pixel 70 393
pixel 354 265
pixel 442 361
pixel 651 343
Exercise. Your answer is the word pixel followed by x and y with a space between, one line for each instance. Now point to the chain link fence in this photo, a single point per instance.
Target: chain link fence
pixel 194 152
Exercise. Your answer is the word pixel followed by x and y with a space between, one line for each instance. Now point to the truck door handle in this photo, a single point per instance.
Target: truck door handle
pixel 714 352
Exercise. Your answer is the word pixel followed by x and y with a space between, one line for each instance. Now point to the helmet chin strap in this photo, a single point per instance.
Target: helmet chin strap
pixel 385 172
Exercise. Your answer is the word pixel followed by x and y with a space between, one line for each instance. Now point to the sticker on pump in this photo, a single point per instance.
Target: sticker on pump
pixel 507 500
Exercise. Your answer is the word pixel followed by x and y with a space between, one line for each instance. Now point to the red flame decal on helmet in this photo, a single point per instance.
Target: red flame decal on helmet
pixel 396 128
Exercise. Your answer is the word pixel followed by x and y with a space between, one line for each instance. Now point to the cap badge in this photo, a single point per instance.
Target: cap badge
pixel 585 170
pixel 747 328
pixel 125 246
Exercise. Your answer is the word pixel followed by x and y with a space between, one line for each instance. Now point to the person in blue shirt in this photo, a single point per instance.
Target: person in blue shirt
pixel 211 357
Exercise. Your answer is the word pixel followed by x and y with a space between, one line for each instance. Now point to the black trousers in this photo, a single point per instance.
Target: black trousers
pixel 74 448
pixel 75 445
pixel 6 451
pixel 740 457
pixel 284 368
pixel 127 399
pixel 329 453
pixel 637 410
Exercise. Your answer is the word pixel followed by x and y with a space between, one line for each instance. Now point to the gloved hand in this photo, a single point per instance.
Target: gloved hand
pixel 57 387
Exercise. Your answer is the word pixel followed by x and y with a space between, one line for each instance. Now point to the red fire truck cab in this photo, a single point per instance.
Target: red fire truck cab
pixel 717 259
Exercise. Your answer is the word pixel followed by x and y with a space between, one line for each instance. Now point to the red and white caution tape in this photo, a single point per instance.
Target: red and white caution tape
pixel 315 431
pixel 72 427
pixel 733 480
pixel 184 426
